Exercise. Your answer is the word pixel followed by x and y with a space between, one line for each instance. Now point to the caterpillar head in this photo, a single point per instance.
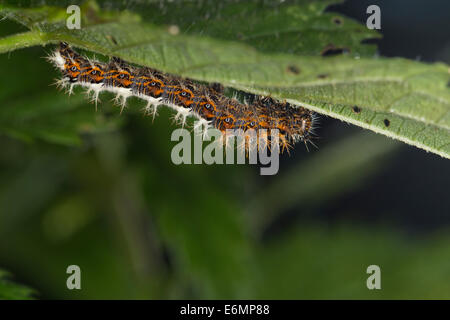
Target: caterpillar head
pixel 73 62
pixel 68 62
pixel 72 70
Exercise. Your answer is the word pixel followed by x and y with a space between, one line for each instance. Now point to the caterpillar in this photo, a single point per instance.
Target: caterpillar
pixel 188 98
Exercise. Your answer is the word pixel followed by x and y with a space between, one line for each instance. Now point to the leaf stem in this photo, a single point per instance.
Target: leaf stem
pixel 20 40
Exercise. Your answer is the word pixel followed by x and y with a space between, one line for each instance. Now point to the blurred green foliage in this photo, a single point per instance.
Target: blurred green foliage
pixel 11 291
pixel 98 189
pixel 400 98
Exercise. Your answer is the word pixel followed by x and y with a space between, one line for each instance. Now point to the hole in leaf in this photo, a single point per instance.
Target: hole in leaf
pixel 293 69
pixel 322 76
pixel 337 20
pixel 332 50
pixel 387 122
pixel 356 109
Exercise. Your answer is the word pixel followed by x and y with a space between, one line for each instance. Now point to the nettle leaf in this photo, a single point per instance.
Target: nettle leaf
pixel 293 26
pixel 402 99
pixel 12 291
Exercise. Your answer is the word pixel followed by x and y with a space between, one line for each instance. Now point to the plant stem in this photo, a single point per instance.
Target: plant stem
pixel 20 40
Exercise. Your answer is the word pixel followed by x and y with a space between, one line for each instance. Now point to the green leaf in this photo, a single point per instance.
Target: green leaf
pixel 20 40
pixel 12 291
pixel 402 99
pixel 293 26
pixel 405 100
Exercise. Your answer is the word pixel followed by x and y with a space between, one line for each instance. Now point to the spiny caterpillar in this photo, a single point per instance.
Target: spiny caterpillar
pixel 188 98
